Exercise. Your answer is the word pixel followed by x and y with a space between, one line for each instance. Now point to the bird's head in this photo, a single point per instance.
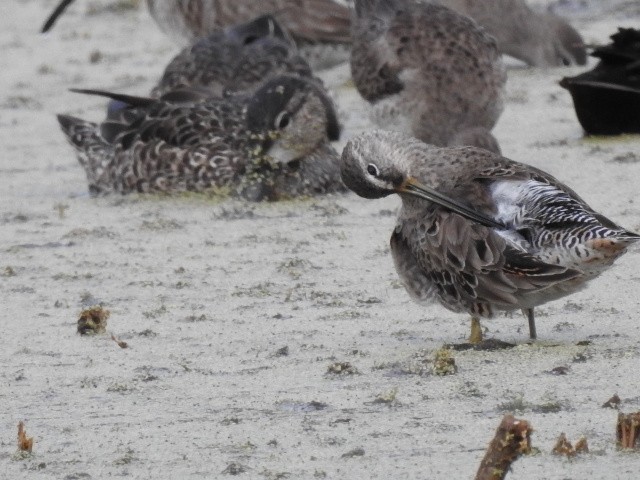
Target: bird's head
pixel 374 165
pixel 378 163
pixel 291 116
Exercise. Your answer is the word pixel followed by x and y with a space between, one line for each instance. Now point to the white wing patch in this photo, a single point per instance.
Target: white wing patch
pixel 508 198
pixel 512 199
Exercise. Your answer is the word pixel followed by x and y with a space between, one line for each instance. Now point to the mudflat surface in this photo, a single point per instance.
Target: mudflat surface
pixel 234 312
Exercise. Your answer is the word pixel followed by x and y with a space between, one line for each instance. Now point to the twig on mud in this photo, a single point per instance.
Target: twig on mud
pixel 121 343
pixel 512 439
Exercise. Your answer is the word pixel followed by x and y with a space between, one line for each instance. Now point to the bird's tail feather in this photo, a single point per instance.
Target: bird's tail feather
pixel 93 152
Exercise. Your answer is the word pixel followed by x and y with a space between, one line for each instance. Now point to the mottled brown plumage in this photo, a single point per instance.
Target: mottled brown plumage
pixel 319 27
pixel 266 146
pixel 479 232
pixel 307 20
pixel 427 70
pixel 235 60
pixel 538 39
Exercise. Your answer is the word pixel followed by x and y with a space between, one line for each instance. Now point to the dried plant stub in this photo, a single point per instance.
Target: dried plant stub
pixel 563 447
pixel 512 439
pixel 25 444
pixel 582 446
pixel 93 320
pixel 628 430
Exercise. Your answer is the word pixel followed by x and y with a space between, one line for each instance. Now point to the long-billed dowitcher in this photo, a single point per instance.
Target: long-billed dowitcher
pixel 267 146
pixel 426 69
pixel 479 232
pixel 307 20
pixel 538 39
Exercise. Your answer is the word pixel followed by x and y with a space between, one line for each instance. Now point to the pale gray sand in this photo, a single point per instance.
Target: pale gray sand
pixel 207 294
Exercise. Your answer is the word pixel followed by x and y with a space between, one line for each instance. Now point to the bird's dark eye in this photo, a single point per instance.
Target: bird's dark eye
pixel 282 120
pixel 566 62
pixel 373 170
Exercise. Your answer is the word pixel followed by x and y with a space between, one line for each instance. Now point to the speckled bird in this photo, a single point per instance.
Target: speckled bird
pixel 308 20
pixel 427 70
pixel 266 146
pixel 236 60
pixel 479 232
pixel 538 39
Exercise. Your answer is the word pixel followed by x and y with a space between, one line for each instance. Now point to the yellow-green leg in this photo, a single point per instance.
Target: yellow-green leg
pixel 476 331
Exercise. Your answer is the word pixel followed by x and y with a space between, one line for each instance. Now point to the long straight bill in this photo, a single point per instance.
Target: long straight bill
pixel 413 187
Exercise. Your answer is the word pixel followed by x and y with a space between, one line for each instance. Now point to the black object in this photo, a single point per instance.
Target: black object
pixel 607 98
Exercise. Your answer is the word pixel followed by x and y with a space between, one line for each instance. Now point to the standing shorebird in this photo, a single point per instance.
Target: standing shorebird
pixel 538 39
pixel 427 70
pixel 479 232
pixel 270 145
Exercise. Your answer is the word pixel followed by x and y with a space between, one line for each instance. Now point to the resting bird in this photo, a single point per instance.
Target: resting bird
pixel 266 146
pixel 307 20
pixel 427 71
pixel 237 59
pixel 479 232
pixel 538 39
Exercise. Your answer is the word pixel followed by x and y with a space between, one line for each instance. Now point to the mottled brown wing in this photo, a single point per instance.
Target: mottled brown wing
pixel 265 59
pixel 375 67
pixel 238 59
pixel 187 125
pixel 180 147
pixel 467 266
pixel 202 64
pixel 310 20
pixel 156 166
